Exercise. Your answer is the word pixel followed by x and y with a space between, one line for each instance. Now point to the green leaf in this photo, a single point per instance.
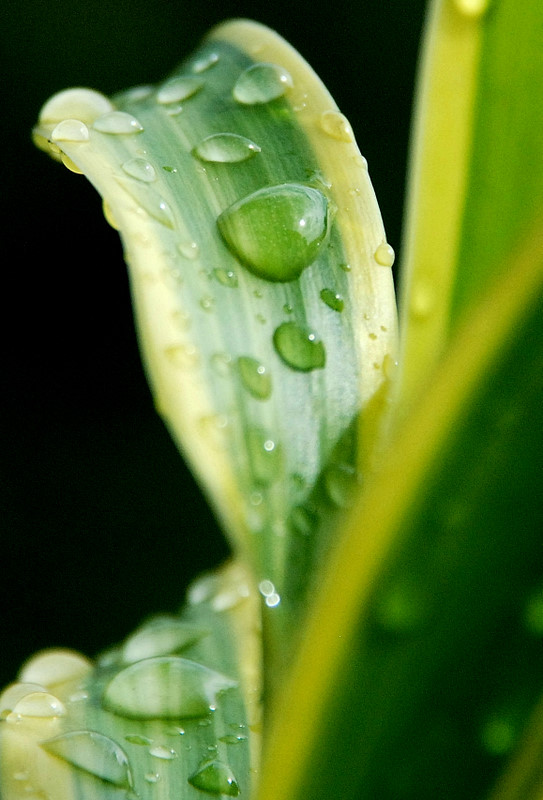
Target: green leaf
pixel 260 276
pixel 173 710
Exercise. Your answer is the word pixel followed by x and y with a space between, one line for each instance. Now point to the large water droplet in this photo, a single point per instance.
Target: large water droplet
pixel 82 104
pixel 117 123
pixel 140 169
pixel 70 130
pixel 38 704
pixel 216 778
pixel 93 752
pixel 261 83
pixel 384 255
pixel 264 455
pixel 299 347
pixel 178 89
pixel 162 636
pixel 52 667
pixel 337 126
pixel 332 299
pixel 225 148
pixel 277 231
pixel 255 377
pixel 166 687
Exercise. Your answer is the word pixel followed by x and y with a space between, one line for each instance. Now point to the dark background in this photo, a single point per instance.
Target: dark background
pixel 100 522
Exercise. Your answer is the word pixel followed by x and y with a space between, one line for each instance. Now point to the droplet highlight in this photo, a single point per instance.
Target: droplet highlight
pixel 216 778
pixel 277 231
pixel 261 83
pixel 299 347
pixel 226 277
pixel 38 704
pixel 254 377
pixel 226 148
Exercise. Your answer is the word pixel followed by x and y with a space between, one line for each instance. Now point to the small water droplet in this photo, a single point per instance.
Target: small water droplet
pixel 255 377
pixel 174 688
pixel 149 201
pixel 137 93
pixel 70 130
pixel 384 255
pixel 332 299
pixel 178 89
pixel 205 62
pixel 277 231
pixel 231 739
pixel 117 123
pixel 299 347
pixel 226 277
pixel 216 778
pixel 159 637
pixel 94 753
pixel 336 125
pixel 184 356
pixel 228 148
pixel 160 751
pixel 140 169
pixel 136 738
pixel 221 363
pixel 207 303
pixel 472 8
pixel 82 104
pixel 189 250
pixel 109 215
pixel 265 456
pixel 52 667
pixel 261 83
pixel 169 168
pixel 152 777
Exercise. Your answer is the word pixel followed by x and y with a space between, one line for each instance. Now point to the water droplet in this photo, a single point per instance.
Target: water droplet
pixel 51 667
pixel 71 165
pixel 205 62
pixel 472 8
pixel 384 255
pixel 334 124
pixel 228 148
pixel 178 89
pixel 137 93
pixel 159 637
pixel 70 130
pixel 216 778
pixel 277 231
pixel 189 250
pixel 332 299
pixel 226 277
pixel 165 687
pixel 38 704
pixel 170 169
pixel 110 216
pixel 148 200
pixel 207 303
pixel 117 123
pixel 93 752
pixel 265 456
pixel 255 377
pixel 231 739
pixel 299 347
pixel 183 356
pixel 165 753
pixel 136 738
pixel 15 692
pixel 140 169
pixel 261 83
pixel 152 777
pixel 221 363
pixel 82 104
